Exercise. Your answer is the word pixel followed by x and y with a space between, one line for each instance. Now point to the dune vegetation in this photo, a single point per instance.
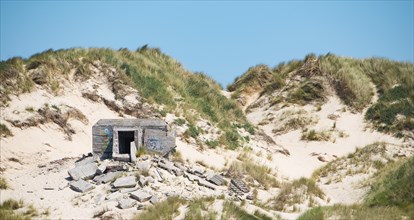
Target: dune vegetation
pixel 157 77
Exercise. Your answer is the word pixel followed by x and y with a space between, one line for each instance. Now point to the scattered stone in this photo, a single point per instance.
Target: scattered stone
pixel 125 182
pixel 196 171
pixel 29 191
pixel 128 190
pixel 238 186
pixel 121 157
pixel 144 158
pixel 154 199
pixel 150 179
pixel 249 197
pixel 83 171
pixel 63 186
pixel 48 188
pixel 81 186
pixel 143 165
pixel 143 181
pixel 140 207
pixel 216 179
pixel 141 196
pixel 114 166
pixel 126 203
pixel 158 175
pixel 322 159
pixel 98 199
pixel 204 183
pixel 180 166
pixel 111 215
pixel 41 165
pixel 84 161
pixel 192 177
pixel 101 169
pixel 114 196
pixel 167 166
pixel 179 172
pixel 106 178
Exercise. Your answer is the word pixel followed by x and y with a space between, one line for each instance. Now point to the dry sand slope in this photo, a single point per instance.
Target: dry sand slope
pixel 36 158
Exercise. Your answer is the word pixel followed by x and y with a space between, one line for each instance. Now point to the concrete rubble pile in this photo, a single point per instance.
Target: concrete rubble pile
pixel 148 180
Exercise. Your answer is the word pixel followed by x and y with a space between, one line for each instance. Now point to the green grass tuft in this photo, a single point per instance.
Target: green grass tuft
pixel 3 183
pixel 4 131
pixel 166 209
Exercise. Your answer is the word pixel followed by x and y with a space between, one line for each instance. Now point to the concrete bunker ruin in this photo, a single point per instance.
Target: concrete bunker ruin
pixel 120 139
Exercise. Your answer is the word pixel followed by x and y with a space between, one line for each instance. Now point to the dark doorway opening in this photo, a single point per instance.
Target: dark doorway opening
pixel 125 138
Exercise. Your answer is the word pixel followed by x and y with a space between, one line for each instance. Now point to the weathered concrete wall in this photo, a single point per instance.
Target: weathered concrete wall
pixel 157 141
pixel 153 134
pixel 102 139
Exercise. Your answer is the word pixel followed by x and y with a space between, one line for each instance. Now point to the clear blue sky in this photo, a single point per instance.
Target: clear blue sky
pixel 221 39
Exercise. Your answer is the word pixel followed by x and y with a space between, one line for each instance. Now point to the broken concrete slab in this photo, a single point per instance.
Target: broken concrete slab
pixel 133 150
pixel 192 178
pixel 158 175
pixel 143 181
pixel 238 186
pixel 106 178
pixel 204 183
pixel 126 203
pixel 101 169
pixel 114 166
pixel 141 196
pixel 81 186
pixel 125 182
pixel 128 190
pixel 143 165
pixel 114 196
pixel 121 157
pixel 83 171
pixel 168 166
pixel 84 161
pixel 63 186
pixel 154 199
pixel 196 170
pixel 216 179
pixel 180 166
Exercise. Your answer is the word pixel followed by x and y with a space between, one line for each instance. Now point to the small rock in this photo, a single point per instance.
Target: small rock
pixel 83 171
pixel 141 196
pixel 249 197
pixel 84 161
pixel 106 178
pixel 125 182
pixel 143 181
pixel 48 188
pixel 143 166
pixel 101 169
pixel 98 199
pixel 126 203
pixel 63 186
pixel 154 199
pixel 128 190
pixel 81 186
pixel 113 196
